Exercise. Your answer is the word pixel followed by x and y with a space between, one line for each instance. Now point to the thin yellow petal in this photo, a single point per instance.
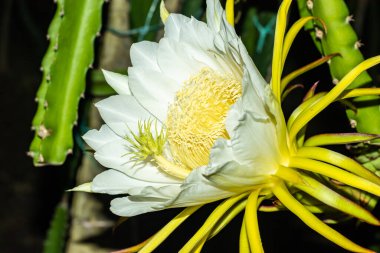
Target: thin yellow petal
pixel 308 103
pixel 338 160
pixel 360 92
pixel 228 216
pixel 161 235
pixel 304 106
pixel 200 245
pixel 335 200
pixel 252 224
pixel 287 91
pixel 211 221
pixel 134 248
pixel 271 209
pixel 289 175
pixel 301 137
pixel 293 31
pixel 282 193
pixel 331 96
pixel 290 77
pixel 338 139
pixel 230 14
pixel 278 48
pixel 243 239
pixel 334 173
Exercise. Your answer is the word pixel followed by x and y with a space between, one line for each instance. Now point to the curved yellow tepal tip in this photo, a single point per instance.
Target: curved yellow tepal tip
pixel 230 12
pixel 164 13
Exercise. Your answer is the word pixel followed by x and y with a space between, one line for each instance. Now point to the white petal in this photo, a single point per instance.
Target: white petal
pixel 221 153
pixel 153 90
pixel 217 21
pixel 225 172
pixel 127 208
pixel 214 13
pixel 252 111
pixel 114 155
pixel 181 60
pixel 255 143
pixel 115 182
pixel 197 33
pixel 120 112
pixel 192 32
pixel 207 58
pixel 234 177
pixel 175 62
pixel 117 81
pixel 250 101
pixel 144 54
pixel 173 25
pixel 254 133
pixel 228 31
pixel 254 76
pixel 95 139
pixel 151 199
pixel 199 190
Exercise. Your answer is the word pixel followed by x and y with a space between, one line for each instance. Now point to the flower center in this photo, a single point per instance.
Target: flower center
pixel 197 116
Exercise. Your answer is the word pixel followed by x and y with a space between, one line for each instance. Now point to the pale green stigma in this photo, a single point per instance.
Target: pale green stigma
pixel 146 147
pixel 144 144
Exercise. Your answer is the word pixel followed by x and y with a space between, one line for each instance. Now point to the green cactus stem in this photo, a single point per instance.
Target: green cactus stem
pixel 52 36
pixel 55 239
pixel 341 38
pixel 74 29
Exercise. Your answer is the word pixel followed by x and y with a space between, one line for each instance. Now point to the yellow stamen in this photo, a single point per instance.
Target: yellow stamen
pixel 171 168
pixel 197 117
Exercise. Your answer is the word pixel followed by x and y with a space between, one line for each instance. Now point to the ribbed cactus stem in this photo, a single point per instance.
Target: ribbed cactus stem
pixel 341 38
pixel 70 54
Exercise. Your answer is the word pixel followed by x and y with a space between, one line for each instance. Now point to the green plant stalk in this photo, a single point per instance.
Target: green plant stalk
pixel 258 36
pixel 55 239
pixel 144 14
pixel 341 38
pixel 52 36
pixel 305 12
pixel 79 25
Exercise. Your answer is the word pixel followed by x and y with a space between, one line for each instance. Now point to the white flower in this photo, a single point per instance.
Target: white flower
pixel 217 143
pixel 195 122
